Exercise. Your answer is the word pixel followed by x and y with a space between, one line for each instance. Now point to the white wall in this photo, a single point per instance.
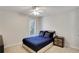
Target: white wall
pixel 64 25
pixel 76 30
pixel 13 27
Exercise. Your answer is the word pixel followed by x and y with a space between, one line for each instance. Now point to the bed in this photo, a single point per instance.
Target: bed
pixel 39 43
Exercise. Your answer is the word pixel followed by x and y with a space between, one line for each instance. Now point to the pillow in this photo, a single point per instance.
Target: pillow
pixel 41 33
pixel 47 34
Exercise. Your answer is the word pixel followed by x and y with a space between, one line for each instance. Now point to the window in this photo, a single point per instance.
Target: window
pixel 32 26
pixel 35 25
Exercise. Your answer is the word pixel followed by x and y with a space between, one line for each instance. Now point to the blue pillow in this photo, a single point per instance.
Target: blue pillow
pixel 47 35
pixel 41 33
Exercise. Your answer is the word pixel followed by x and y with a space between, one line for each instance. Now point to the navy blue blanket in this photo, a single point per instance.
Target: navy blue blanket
pixel 37 42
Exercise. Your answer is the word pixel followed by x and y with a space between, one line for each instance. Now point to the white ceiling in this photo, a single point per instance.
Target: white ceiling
pixel 47 9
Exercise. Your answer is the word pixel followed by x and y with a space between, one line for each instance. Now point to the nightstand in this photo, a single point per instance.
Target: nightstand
pixel 59 41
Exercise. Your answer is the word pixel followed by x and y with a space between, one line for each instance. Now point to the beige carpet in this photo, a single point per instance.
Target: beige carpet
pixel 53 49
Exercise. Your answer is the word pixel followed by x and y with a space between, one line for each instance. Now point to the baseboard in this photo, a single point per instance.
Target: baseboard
pixel 75 48
pixel 13 45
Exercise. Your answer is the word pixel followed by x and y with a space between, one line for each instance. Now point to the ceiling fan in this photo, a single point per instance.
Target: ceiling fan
pixel 36 11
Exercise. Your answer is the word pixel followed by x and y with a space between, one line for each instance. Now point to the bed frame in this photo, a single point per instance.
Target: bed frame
pixel 44 49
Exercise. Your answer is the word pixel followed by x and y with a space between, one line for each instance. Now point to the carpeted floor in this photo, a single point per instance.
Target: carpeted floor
pixel 53 49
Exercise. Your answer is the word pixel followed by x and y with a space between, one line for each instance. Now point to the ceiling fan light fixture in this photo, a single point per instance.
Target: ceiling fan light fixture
pixel 36 11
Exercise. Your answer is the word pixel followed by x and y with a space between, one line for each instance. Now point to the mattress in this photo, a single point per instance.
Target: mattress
pixel 37 42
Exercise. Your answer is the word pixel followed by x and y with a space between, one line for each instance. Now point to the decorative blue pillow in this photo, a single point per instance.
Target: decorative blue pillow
pixel 41 33
pixel 47 35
